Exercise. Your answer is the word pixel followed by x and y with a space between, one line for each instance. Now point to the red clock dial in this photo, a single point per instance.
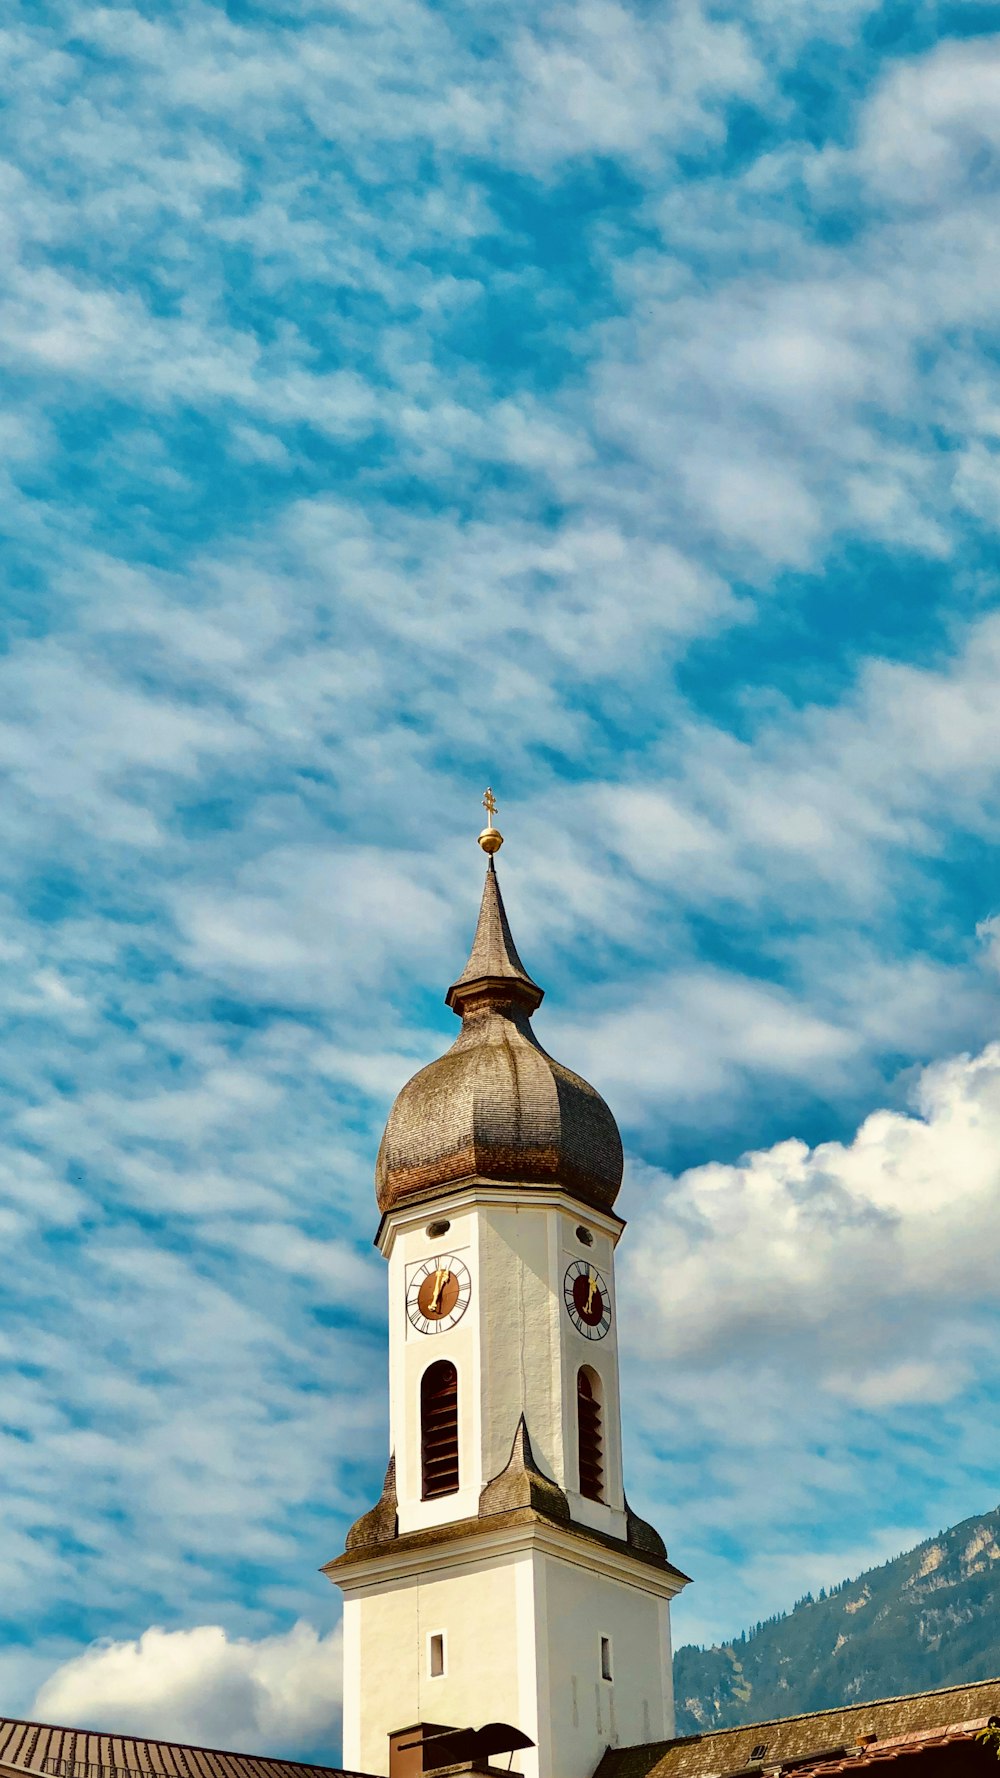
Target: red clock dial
pixel 438 1291
pixel 587 1299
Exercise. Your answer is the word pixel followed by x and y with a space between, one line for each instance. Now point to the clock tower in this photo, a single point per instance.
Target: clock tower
pixel 502 1574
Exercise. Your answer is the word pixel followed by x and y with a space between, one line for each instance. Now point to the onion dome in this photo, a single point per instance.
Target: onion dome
pixel 496 1106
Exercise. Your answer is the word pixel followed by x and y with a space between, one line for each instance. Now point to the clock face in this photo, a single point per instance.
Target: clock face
pixel 437 1293
pixel 587 1299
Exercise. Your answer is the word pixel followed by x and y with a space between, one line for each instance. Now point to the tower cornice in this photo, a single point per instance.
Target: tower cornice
pixel 466 1542
pixel 465 1194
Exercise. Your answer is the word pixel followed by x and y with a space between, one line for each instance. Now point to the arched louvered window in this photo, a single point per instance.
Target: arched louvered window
pixel 589 1434
pixel 439 1430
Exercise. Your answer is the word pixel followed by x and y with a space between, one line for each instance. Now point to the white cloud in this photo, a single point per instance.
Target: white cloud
pixel 797 391
pixel 933 127
pixel 319 922
pixel 600 78
pixel 841 796
pixel 911 1380
pixel 279 1693
pixel 810 1344
pixel 864 1253
pixel 691 1037
pixel 103 729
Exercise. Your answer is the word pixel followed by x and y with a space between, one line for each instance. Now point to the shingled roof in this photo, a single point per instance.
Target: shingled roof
pixel 825 1741
pixel 497 1107
pixel 38 1747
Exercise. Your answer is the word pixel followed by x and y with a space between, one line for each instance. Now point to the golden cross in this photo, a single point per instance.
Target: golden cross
pixel 490 805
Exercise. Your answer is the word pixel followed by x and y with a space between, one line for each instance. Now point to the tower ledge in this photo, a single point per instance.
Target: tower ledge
pixel 474 1189
pixel 420 1552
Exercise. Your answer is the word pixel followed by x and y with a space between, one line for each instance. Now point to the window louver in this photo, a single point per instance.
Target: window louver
pixel 439 1430
pixel 591 1443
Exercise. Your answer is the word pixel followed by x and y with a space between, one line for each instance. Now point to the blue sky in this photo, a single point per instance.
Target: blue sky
pixel 601 401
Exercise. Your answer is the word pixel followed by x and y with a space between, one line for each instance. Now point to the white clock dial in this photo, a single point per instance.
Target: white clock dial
pixel 438 1292
pixel 587 1299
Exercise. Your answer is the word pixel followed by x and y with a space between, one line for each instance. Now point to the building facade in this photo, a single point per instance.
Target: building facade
pixel 503 1575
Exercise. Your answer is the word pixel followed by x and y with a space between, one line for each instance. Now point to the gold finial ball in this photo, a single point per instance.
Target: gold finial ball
pixel 491 839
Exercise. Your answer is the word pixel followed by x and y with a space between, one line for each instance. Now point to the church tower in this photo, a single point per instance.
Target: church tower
pixel 502 1575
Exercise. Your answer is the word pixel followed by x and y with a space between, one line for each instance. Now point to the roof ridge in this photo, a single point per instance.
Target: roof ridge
pixel 831 1710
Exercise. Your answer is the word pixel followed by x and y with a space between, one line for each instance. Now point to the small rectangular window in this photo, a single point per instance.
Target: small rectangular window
pixel 606 1672
pixel 758 1752
pixel 435 1655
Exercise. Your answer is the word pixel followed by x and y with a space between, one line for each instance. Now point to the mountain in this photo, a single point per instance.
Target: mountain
pixel 929 1618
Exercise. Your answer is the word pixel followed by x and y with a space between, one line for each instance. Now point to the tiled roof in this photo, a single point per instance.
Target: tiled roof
pixel 817 1744
pixel 81 1753
pixel 886 1754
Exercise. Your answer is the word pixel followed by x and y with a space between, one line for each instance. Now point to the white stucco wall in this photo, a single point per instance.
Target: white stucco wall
pixel 515 1349
pixel 583 1713
pixel 522 1629
pixel 410 1354
pixel 519 1336
pixel 387 1629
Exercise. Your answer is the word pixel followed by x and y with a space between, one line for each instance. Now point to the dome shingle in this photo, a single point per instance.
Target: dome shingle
pixel 497 1106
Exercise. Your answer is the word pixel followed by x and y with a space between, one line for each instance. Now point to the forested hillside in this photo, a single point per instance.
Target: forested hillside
pixel 929 1618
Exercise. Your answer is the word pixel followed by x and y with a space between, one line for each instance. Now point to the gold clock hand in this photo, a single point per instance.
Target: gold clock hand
pixel 441 1277
pixel 592 1281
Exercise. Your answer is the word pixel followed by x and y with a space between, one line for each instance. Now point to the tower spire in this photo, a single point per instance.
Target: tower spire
pixel 497 1107
pixel 493 961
